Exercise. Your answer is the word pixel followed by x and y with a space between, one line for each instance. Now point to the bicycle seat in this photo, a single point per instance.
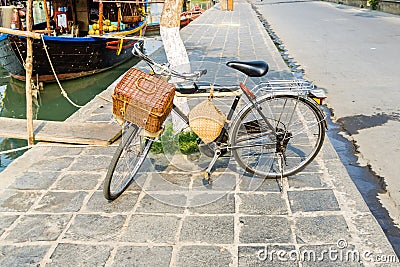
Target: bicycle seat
pixel 251 68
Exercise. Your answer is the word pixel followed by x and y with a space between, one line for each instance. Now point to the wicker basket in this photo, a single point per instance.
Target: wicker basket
pixel 130 19
pixel 143 99
pixel 207 121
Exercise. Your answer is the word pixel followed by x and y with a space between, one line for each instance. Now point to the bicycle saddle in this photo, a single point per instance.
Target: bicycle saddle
pixel 251 68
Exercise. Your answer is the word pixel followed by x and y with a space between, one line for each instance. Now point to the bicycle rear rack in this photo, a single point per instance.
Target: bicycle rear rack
pixel 299 87
pixel 285 85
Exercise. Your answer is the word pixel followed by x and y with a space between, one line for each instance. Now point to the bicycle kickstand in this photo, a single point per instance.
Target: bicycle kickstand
pixel 281 160
pixel 207 173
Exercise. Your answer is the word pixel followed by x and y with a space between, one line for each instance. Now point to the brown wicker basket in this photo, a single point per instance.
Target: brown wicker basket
pixel 143 99
pixel 130 19
pixel 207 121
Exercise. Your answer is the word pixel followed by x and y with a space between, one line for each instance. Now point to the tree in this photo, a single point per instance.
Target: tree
pixel 169 31
pixel 174 48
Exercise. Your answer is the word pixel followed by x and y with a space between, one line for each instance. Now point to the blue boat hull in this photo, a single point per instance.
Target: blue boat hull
pixel 71 57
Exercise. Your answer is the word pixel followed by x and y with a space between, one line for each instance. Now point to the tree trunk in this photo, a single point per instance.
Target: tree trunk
pixel 169 31
pixel 175 49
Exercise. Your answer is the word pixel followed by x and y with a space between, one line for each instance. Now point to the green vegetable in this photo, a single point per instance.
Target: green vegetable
pixel 169 142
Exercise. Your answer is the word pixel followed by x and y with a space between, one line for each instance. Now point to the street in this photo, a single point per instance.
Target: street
pixel 354 55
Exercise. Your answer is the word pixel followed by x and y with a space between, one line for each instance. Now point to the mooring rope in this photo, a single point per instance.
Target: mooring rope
pixel 16 149
pixel 20 54
pixel 63 92
pixel 105 99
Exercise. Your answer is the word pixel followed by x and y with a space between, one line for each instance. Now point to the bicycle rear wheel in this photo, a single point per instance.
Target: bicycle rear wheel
pixel 298 123
pixel 126 162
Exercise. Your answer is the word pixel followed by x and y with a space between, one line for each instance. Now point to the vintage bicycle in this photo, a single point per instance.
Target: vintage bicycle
pixel 276 133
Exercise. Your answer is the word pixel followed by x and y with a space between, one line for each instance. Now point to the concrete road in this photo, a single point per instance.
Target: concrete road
pixel 355 55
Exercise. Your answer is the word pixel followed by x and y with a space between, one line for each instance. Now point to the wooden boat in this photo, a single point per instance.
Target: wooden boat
pixel 70 55
pixel 153 28
pixel 190 15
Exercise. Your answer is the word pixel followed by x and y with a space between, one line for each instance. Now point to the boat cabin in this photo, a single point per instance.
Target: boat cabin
pixel 78 37
pixel 75 17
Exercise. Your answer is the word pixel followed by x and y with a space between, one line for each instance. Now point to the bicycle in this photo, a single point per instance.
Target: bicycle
pixel 276 134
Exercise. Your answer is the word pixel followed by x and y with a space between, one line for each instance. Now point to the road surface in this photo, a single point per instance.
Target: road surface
pixel 354 54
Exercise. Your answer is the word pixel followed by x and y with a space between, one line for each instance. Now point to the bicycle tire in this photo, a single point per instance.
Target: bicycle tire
pixel 126 162
pixel 254 145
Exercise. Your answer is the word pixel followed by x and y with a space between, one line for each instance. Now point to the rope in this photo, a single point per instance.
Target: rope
pixel 119 48
pixel 63 92
pixel 103 98
pixel 15 149
pixel 20 54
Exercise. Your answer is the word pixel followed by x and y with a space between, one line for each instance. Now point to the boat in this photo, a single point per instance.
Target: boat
pixel 190 15
pixel 153 28
pixel 153 14
pixel 78 43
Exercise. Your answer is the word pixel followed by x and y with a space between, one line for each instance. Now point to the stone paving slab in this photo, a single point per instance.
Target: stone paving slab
pixel 53 213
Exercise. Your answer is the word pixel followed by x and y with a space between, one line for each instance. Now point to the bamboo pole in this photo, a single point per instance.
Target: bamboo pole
pixel 20 33
pixel 101 18
pixel 28 68
pixel 119 17
pixel 47 16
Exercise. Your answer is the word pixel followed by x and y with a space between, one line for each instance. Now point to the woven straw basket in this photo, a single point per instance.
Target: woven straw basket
pixel 207 121
pixel 143 99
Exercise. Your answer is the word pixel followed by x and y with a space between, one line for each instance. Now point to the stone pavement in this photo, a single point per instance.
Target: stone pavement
pixel 52 211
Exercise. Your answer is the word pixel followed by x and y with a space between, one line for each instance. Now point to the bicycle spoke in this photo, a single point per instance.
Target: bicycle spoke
pixel 299 136
pixel 126 162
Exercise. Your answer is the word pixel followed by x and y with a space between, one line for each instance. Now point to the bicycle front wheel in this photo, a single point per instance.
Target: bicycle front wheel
pixel 126 162
pixel 296 138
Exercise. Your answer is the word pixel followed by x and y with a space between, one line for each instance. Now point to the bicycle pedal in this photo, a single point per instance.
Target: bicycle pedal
pixel 207 177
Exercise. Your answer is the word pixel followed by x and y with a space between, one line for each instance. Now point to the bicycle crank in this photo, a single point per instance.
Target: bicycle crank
pixel 210 148
pixel 207 173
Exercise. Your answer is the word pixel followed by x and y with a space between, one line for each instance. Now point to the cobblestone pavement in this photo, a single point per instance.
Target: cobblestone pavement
pixel 53 213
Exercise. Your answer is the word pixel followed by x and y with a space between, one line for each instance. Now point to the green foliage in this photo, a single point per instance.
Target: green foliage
pixel 374 4
pixel 167 137
pixel 188 142
pixel 169 142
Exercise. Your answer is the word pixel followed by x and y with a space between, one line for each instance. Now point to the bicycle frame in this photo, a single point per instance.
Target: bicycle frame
pixel 283 123
pixel 252 101
pixel 231 112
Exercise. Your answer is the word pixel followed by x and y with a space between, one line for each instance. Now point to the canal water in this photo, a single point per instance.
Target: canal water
pixel 50 104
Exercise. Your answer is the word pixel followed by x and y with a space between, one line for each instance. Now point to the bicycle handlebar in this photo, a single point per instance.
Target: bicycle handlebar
pixel 164 69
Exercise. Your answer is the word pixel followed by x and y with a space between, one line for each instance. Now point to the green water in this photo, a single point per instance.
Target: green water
pixel 51 105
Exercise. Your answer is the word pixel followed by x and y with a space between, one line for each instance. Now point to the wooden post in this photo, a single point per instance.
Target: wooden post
pixel 47 17
pixel 119 17
pixel 101 18
pixel 73 11
pixel 230 5
pixel 28 68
